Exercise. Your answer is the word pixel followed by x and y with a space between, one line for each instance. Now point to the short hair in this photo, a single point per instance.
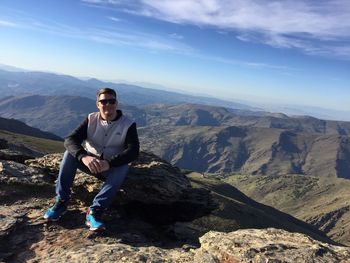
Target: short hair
pixel 106 91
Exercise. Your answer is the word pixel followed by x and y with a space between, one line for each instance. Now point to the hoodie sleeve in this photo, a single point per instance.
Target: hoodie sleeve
pixel 73 142
pixel 131 148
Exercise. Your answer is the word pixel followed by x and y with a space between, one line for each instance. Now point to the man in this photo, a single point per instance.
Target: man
pixel 102 145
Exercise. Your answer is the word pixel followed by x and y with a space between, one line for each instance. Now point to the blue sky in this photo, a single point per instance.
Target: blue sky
pixel 287 52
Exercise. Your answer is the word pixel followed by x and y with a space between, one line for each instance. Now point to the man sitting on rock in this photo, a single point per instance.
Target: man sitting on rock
pixel 102 145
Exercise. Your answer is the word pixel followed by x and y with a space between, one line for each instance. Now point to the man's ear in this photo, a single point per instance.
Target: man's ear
pixel 97 103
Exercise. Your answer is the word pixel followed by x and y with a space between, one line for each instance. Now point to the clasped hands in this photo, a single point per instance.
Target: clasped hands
pixel 95 164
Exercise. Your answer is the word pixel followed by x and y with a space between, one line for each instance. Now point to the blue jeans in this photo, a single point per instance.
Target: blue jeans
pixel 114 179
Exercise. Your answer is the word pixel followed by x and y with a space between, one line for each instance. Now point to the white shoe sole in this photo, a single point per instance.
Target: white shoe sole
pixel 95 229
pixel 54 220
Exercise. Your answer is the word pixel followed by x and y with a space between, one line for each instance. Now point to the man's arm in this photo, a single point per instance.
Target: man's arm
pixel 131 151
pixel 73 142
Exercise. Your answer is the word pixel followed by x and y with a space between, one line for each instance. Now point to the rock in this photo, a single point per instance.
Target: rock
pixel 13 155
pixel 156 193
pixel 16 173
pixel 150 180
pixel 267 245
pixel 153 190
pixel 9 218
pixel 49 163
pixel 3 144
pixel 153 180
pixel 16 152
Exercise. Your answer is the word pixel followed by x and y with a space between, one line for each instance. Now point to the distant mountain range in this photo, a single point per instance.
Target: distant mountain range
pixel 209 139
pixel 56 114
pixel 18 82
pixel 249 150
pixel 14 83
pixel 61 114
pixel 204 115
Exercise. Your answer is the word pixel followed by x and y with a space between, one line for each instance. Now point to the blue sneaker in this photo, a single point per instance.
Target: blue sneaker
pixel 93 220
pixel 54 213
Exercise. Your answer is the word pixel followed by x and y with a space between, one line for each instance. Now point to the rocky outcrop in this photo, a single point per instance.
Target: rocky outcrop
pixel 16 173
pixel 266 245
pixel 154 188
pixel 157 217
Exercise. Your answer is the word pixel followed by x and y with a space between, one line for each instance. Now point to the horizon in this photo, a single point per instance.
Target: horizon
pixel 287 109
pixel 284 53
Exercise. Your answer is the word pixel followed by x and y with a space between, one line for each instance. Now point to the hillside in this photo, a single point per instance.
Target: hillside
pixel 204 115
pixel 51 113
pixel 30 144
pixel 321 201
pixel 250 146
pixel 56 114
pixel 258 151
pixel 16 126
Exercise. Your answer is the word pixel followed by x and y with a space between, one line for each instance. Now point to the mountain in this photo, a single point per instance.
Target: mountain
pixel 249 150
pixel 56 114
pixel 28 83
pixel 205 115
pixel 18 82
pixel 51 113
pixel 19 127
pixel 206 138
pixel 11 68
pixel 320 201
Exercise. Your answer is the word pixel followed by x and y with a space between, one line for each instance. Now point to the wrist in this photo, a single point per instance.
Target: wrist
pixel 81 157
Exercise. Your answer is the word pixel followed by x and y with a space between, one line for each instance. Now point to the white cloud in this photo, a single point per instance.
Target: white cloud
pixel 115 19
pixel 176 36
pixel 101 1
pixel 316 27
pixel 322 19
pixel 117 36
pixel 7 23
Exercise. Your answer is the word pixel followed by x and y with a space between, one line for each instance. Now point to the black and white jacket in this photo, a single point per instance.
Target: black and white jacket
pixel 115 141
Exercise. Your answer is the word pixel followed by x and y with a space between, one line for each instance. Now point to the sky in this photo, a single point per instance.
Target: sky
pixel 286 52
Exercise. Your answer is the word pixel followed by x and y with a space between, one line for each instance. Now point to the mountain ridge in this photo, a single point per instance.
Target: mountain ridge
pixel 134 94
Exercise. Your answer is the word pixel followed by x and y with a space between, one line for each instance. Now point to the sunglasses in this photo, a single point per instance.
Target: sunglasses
pixel 108 101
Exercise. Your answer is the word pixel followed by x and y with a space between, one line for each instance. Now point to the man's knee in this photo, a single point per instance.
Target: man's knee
pixel 117 175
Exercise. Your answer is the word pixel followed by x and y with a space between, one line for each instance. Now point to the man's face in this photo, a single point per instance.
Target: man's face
pixel 106 106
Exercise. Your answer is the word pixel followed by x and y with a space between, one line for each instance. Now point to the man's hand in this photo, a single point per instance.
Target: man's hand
pixel 104 165
pixel 94 164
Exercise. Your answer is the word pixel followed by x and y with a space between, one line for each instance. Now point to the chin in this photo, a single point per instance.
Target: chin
pixel 108 114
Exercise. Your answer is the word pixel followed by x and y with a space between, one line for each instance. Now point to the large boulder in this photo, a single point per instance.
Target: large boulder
pixel 154 189
pixel 150 180
pixel 267 245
